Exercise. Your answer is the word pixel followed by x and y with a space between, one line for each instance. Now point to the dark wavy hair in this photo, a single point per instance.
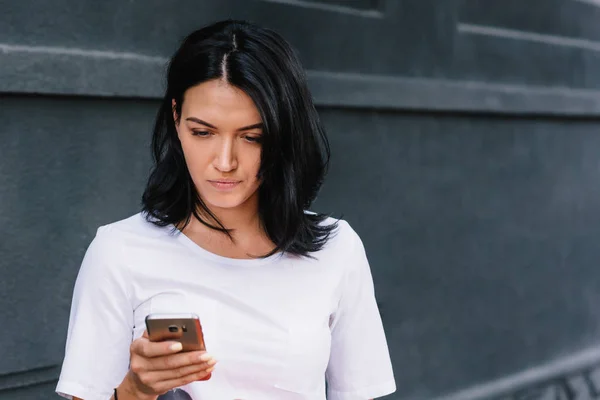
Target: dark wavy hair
pixel 295 150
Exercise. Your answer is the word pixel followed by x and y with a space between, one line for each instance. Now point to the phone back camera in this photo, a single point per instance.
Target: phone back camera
pixel 173 328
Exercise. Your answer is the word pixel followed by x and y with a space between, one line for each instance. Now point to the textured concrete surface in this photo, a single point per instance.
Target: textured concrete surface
pixel 465 153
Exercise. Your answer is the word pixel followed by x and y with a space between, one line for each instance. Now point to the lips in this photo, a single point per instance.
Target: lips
pixel 224 184
pixel 225 181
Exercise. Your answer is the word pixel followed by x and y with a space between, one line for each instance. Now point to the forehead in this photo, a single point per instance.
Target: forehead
pixel 219 102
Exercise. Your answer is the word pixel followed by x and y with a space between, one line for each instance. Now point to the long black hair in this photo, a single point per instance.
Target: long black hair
pixel 295 150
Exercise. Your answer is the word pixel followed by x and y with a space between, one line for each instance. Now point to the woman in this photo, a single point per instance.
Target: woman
pixel 285 296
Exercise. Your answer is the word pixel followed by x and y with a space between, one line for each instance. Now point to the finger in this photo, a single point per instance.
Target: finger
pixel 165 386
pixel 175 361
pixel 177 373
pixel 207 377
pixel 144 347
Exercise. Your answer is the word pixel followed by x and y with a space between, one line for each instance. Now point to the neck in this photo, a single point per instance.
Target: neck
pixel 249 237
pixel 241 219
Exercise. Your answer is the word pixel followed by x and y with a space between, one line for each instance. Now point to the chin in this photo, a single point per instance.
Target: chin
pixel 224 203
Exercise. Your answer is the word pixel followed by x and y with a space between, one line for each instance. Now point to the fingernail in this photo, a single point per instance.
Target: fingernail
pixel 212 362
pixel 209 370
pixel 176 346
pixel 205 357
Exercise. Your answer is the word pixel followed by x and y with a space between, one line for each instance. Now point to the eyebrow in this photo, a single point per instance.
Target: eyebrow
pixel 245 128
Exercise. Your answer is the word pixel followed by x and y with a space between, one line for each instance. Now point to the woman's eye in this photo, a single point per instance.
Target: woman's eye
pixel 200 133
pixel 253 139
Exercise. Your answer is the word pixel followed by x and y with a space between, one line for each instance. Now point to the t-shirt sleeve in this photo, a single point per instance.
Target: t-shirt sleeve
pixel 100 324
pixel 359 366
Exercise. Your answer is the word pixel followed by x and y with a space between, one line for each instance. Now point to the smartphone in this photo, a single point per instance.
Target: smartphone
pixel 184 328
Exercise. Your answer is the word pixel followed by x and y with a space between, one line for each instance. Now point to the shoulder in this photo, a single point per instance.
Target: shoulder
pixel 105 259
pixel 343 231
pixel 343 238
pixel 112 240
pixel 136 225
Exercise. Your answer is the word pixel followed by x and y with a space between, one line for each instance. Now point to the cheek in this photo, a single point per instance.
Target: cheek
pixel 195 156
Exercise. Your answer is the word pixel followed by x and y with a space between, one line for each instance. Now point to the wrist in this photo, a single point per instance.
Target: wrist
pixel 127 390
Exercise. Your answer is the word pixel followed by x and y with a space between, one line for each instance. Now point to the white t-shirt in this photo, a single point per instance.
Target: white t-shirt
pixel 278 326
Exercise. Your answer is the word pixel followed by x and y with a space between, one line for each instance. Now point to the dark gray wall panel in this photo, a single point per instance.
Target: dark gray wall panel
pixel 36 392
pixel 424 39
pixel 465 144
pixel 575 377
pixel 487 54
pixel 488 229
pixel 575 19
pixel 118 49
pixel 554 43
pixel 133 27
pixel 30 380
pixel 367 8
pixel 43 71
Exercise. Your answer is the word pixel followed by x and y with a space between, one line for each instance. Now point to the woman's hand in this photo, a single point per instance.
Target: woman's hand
pixel 158 367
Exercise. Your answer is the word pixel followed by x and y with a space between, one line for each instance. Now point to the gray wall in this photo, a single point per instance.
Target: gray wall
pixel 466 154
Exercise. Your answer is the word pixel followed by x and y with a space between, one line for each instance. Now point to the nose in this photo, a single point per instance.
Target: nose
pixel 225 158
